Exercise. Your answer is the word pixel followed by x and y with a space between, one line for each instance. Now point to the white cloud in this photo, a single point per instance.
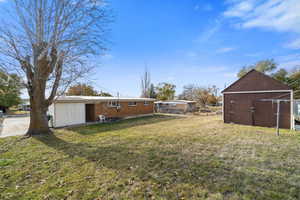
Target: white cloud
pixel 289 61
pixel 205 7
pixel 290 64
pixel 288 57
pixel 225 49
pixel 107 56
pixel 239 9
pixel 294 44
pixel 278 15
pixel 209 33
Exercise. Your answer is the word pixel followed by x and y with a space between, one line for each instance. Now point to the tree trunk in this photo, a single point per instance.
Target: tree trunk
pixel 38 119
pixel 38 114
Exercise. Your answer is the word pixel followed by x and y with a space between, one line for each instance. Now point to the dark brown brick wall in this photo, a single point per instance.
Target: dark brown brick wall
pixel 237 109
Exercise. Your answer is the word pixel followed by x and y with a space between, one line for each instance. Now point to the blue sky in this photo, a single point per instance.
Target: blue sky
pixel 202 42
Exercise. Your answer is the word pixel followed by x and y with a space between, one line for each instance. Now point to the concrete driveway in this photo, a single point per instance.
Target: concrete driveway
pixel 14 126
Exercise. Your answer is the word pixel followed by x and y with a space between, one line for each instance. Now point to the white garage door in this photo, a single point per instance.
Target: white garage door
pixel 69 114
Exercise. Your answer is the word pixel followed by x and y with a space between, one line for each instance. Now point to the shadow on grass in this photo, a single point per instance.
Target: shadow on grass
pixel 168 169
pixel 123 124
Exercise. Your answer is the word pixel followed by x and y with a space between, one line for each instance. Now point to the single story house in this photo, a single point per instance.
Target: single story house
pixel 175 106
pixel 253 99
pixel 72 110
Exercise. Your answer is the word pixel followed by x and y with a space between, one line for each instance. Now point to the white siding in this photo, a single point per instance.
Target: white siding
pixel 66 114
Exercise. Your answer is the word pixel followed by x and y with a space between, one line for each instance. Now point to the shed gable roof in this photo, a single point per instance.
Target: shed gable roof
pixel 256 81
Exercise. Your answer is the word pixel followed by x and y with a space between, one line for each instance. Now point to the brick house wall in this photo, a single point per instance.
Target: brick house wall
pixel 126 110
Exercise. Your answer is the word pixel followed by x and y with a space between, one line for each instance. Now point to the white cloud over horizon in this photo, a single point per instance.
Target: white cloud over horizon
pixel 289 61
pixel 293 44
pixel 276 15
pixel 225 49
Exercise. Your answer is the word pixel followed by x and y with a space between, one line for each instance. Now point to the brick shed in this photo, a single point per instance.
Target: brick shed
pixel 251 101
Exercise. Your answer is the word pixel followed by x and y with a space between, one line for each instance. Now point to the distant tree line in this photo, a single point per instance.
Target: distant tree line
pixel 82 89
pixel 163 91
pixel 166 91
pixel 202 95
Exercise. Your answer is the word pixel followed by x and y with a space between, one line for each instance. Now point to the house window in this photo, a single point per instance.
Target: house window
pixel 133 103
pixel 146 103
pixel 113 104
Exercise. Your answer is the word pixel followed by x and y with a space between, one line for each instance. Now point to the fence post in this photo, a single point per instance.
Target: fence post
pixel 278 113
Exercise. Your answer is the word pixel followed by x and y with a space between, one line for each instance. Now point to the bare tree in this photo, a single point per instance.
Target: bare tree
pixel 146 84
pixel 203 95
pixel 49 42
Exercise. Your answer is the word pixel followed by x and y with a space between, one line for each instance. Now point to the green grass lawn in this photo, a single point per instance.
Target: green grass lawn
pixel 159 157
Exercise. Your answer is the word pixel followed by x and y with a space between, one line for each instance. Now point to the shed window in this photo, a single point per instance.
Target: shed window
pixel 113 104
pixel 146 103
pixel 133 103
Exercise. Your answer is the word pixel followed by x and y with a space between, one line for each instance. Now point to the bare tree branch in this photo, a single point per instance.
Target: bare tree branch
pixel 50 42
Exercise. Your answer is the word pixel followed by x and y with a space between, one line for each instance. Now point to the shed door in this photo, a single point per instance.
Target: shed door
pixel 240 111
pixel 265 114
